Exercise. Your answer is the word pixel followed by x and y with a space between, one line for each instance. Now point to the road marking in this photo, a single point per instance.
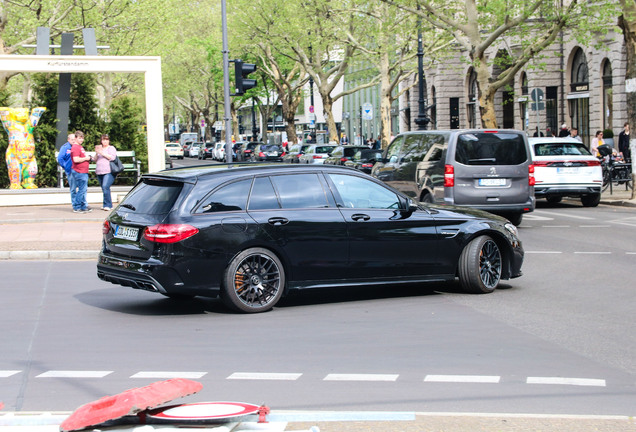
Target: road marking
pixel 593 253
pixel 543 252
pixel 74 374
pixel 566 381
pixel 556 226
pixel 594 226
pixel 8 373
pixel 264 376
pixel 361 377
pixel 535 217
pixel 169 375
pixel 492 379
pixel 564 215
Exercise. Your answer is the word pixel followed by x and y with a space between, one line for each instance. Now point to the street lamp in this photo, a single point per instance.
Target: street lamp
pixel 422 119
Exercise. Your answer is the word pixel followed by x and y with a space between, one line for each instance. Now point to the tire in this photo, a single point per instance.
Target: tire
pixel 554 199
pixel 606 179
pixel 426 198
pixel 515 218
pixel 480 266
pixel 591 200
pixel 253 282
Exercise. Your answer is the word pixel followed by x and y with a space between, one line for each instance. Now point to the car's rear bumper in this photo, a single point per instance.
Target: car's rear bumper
pixel 542 191
pixel 500 208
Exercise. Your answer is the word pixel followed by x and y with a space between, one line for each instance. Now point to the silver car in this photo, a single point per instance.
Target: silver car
pixel 316 154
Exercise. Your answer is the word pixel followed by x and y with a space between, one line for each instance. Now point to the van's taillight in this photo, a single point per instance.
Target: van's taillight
pixel 169 233
pixel 449 176
pixel 261 154
pixel 531 179
pixel 105 227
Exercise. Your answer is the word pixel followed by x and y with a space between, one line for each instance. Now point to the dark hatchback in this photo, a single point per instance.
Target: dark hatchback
pixel 342 154
pixel 367 159
pixel 250 233
pixel 268 153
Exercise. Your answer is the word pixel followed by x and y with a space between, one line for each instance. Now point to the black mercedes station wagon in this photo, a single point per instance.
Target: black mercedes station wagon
pixel 249 233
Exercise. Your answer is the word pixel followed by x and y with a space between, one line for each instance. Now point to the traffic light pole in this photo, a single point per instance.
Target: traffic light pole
pixel 227 115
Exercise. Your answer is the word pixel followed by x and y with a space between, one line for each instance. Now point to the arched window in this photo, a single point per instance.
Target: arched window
pixel 607 95
pixel 433 108
pixel 578 99
pixel 580 76
pixel 523 102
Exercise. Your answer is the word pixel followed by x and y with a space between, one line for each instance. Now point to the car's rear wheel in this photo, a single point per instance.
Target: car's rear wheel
pixel 426 198
pixel 591 200
pixel 554 199
pixel 515 218
pixel 480 266
pixel 254 281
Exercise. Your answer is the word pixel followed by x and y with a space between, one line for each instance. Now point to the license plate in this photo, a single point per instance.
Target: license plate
pixel 567 170
pixel 272 154
pixel 127 233
pixel 492 182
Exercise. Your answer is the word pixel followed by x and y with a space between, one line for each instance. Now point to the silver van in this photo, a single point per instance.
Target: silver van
pixel 485 169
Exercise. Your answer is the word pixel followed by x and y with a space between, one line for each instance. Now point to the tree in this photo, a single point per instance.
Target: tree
pixel 528 27
pixel 627 22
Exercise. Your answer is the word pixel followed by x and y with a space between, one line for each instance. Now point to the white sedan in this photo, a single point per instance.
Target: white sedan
pixel 564 167
pixel 174 150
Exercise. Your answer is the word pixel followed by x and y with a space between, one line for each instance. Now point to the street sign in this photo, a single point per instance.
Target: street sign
pixel 367 111
pixel 537 100
pixel 311 109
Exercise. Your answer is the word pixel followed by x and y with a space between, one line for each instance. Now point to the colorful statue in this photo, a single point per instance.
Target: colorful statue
pixel 20 157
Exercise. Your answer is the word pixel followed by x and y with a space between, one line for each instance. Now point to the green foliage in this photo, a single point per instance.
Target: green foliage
pixel 125 129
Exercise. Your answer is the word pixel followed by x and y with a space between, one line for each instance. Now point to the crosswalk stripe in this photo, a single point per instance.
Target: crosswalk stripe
pixel 74 374
pixel 492 379
pixel 169 375
pixel 361 377
pixel 8 373
pixel 264 376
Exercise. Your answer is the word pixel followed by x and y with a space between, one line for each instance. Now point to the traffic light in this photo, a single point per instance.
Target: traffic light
pixel 241 71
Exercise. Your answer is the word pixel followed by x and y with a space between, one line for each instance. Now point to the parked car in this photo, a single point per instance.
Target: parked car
pixel 484 169
pixel 294 153
pixel 251 233
pixel 248 151
pixel 207 151
pixel 195 149
pixel 564 167
pixel 174 150
pixel 268 152
pixel 219 151
pixel 368 158
pixel 316 154
pixel 342 154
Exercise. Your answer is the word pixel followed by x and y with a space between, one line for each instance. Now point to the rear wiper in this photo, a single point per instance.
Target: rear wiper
pixel 482 160
pixel 130 206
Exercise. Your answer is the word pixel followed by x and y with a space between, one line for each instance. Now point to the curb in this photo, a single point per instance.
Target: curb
pixel 49 255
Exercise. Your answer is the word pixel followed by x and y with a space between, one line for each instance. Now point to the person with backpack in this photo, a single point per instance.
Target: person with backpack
pixel 64 160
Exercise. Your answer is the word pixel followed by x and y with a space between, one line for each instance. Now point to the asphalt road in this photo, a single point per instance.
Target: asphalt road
pixel 559 340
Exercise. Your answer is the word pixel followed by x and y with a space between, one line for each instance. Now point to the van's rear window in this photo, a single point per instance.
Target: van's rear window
pixel 481 148
pixel 153 196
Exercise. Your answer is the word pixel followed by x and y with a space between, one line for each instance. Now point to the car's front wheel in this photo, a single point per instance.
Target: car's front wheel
pixel 480 266
pixel 254 281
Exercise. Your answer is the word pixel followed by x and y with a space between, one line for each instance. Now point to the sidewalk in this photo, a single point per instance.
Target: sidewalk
pixel 55 232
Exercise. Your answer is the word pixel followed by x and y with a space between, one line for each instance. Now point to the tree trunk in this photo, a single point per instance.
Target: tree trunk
pixel 486 96
pixel 628 23
pixel 327 104
pixel 289 114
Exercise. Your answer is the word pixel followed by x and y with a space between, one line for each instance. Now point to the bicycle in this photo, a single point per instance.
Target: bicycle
pixel 616 174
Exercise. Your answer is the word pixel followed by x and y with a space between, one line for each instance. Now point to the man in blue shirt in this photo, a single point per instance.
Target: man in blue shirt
pixel 65 161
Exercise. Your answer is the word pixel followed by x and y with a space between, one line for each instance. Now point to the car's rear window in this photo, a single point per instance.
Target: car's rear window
pixel 271 147
pixel 485 148
pixel 153 196
pixel 324 149
pixel 561 149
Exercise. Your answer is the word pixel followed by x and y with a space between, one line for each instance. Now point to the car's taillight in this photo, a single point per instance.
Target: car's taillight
pixel 344 159
pixel 105 227
pixel 593 163
pixel 531 179
pixel 261 154
pixel 449 176
pixel 542 163
pixel 367 165
pixel 317 157
pixel 169 233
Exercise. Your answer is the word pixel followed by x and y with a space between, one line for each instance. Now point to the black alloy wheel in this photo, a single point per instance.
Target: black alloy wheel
pixel 254 281
pixel 480 266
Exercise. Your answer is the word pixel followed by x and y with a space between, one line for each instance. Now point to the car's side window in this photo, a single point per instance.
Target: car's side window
pixel 230 197
pixel 263 196
pixel 300 191
pixel 393 152
pixel 357 192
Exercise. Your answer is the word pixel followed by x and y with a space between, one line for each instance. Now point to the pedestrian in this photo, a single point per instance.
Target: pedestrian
pixel 344 140
pixel 548 133
pixel 66 162
pixel 81 162
pixel 564 132
pixel 574 133
pixel 623 143
pixel 596 142
pixel 105 154
pixel 378 144
pixel 537 133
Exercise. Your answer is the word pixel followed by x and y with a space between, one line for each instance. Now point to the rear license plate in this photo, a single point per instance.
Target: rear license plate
pixel 567 170
pixel 492 182
pixel 127 233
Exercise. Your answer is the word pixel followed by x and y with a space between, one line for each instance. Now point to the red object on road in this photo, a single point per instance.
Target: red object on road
pixel 129 402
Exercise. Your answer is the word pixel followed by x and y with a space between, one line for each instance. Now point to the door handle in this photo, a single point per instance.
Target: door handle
pixel 359 216
pixel 278 221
